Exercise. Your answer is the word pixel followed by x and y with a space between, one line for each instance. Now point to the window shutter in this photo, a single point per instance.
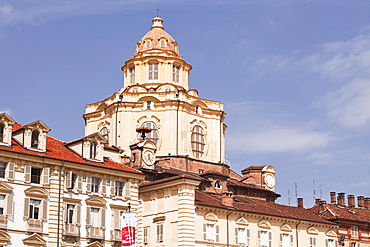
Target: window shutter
pixel 127 189
pixel 46 175
pixel 248 241
pixel 27 174
pixel 26 207
pixel 204 231
pixel 281 239
pixel 102 212
pixel 88 215
pixel 65 215
pixel 104 186
pixel 79 182
pixel 270 239
pixel 259 238
pixel 327 243
pixel 236 236
pixel 78 214
pixel 291 240
pixel 116 220
pixel 112 184
pixel 9 205
pixel 68 180
pixel 44 209
pixel 11 170
pixel 217 233
pixel 88 183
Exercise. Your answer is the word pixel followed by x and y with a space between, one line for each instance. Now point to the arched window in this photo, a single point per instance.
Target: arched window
pixel 93 150
pixel 163 43
pixel 197 141
pixel 2 127
pixel 153 135
pixel 218 185
pixel 147 44
pixel 35 139
pixel 176 73
pixel 104 133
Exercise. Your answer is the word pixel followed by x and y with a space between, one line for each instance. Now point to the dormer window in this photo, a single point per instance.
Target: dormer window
pixel 163 43
pixel 93 150
pixel 153 71
pixel 147 44
pixel 35 139
pixel 2 127
pixel 197 109
pixel 132 74
pixel 176 73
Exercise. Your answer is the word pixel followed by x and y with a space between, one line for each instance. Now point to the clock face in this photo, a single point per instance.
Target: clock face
pixel 148 157
pixel 270 180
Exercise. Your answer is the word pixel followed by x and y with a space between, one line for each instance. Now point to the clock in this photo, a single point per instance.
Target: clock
pixel 270 180
pixel 148 157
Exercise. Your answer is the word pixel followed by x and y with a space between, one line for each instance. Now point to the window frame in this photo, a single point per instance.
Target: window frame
pixel 32 212
pixel 198 141
pixel 153 71
pixel 132 74
pixel 2 132
pixel 159 232
pixel 154 133
pixel 93 150
pixel 176 73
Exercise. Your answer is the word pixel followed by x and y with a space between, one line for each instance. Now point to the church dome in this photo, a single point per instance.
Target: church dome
pixel 156 40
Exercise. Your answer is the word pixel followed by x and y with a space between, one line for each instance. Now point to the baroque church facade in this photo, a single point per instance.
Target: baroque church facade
pixel 190 196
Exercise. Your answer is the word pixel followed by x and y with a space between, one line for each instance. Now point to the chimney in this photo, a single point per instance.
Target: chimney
pixel 367 202
pixel 360 201
pixel 227 199
pixel 317 201
pixel 300 202
pixel 351 200
pixel 322 205
pixel 333 197
pixel 341 199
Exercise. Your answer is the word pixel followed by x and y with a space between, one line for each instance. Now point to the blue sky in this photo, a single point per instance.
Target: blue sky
pixel 293 74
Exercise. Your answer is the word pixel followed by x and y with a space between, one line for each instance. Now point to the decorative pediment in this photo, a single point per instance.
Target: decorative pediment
pixel 5 188
pixel 39 125
pixel 264 224
pixel 4 117
pixel 286 228
pixel 199 103
pixel 164 86
pixel 95 244
pixel 34 240
pixel 36 192
pixel 149 145
pixel 96 201
pixel 4 237
pixel 148 98
pixel 95 137
pixel 312 230
pixel 211 217
pixel 71 200
pixel 102 106
pixel 242 221
pixel 331 233
pixel 193 92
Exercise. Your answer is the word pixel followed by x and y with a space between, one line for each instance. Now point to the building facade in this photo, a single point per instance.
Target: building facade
pixel 190 196
pixel 353 221
pixel 54 193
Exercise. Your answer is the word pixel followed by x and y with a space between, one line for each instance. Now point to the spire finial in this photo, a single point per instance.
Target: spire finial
pixel 157 11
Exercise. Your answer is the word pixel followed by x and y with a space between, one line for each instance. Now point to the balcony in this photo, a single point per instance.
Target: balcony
pixel 71 230
pixel 34 225
pixel 116 235
pixel 3 221
pixel 95 232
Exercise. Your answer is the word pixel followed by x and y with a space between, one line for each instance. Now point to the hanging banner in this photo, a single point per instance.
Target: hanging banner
pixel 129 229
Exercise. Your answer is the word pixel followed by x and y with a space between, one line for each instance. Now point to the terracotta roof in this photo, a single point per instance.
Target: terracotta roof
pixel 259 207
pixel 258 168
pixel 335 212
pixel 56 149
pixel 184 175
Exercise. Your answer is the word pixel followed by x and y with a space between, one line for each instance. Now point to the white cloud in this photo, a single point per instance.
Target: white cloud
pixel 350 104
pixel 275 138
